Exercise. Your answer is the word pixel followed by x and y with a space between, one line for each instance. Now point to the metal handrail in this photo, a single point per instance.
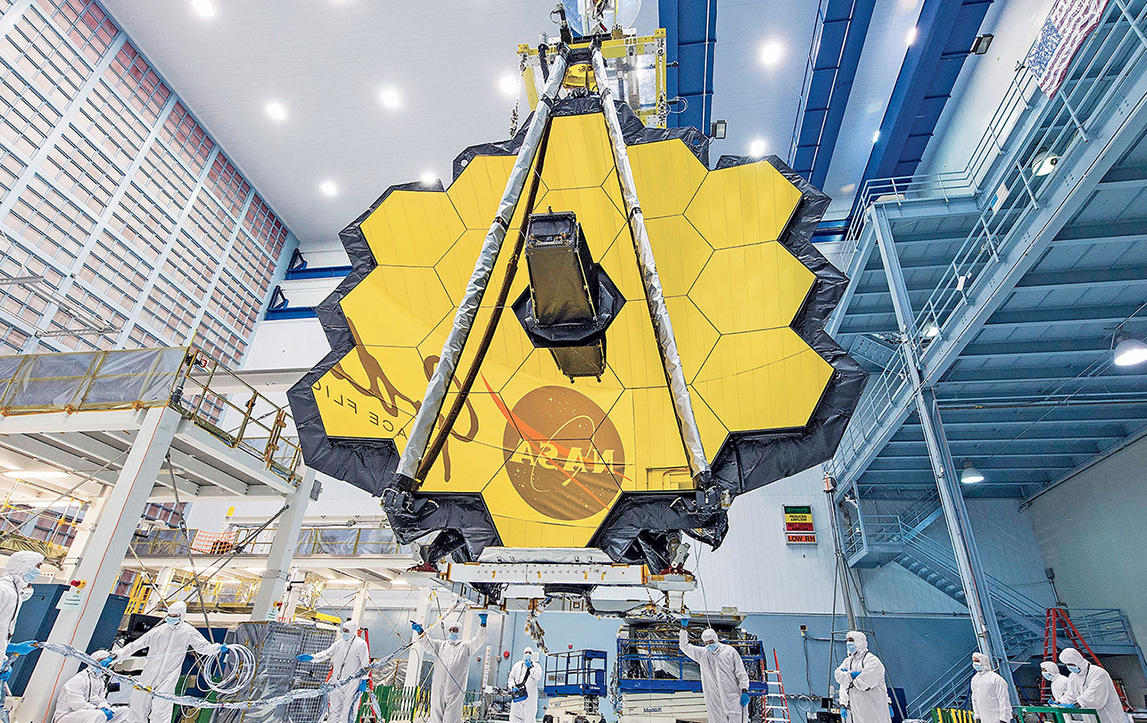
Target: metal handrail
pixel 1024 124
pixel 334 541
pixel 187 379
pixel 951 682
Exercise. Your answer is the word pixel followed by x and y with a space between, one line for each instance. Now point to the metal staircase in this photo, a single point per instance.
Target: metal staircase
pixel 901 539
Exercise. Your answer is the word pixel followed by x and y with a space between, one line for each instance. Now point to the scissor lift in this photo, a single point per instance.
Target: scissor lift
pixel 574 683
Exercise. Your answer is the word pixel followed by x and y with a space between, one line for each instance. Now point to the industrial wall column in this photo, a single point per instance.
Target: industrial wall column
pixel 103 558
pixel 984 622
pixel 282 552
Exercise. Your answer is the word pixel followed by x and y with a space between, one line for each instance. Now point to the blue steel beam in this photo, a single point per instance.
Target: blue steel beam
pixel 972 578
pixel 945 32
pixel 690 38
pixel 838 40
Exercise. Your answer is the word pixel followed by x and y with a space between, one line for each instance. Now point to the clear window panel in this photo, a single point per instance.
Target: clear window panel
pixel 26 116
pixel 45 57
pixel 85 23
pixel 226 184
pixel 107 122
pixel 135 81
pixel 186 138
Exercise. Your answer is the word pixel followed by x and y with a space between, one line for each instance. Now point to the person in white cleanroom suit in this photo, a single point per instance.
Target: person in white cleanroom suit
pixel 451 669
pixel 528 674
pixel 991 702
pixel 83 698
pixel 1050 672
pixel 348 654
pixel 16 587
pixel 861 681
pixel 724 681
pixel 1090 686
pixel 167 645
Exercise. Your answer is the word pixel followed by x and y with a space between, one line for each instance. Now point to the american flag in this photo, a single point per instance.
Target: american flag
pixel 1067 26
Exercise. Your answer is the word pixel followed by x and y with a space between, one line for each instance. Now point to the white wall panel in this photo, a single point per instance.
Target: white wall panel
pixel 755 570
pixel 1091 529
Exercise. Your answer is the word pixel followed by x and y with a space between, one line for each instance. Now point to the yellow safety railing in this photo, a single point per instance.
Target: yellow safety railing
pixel 185 378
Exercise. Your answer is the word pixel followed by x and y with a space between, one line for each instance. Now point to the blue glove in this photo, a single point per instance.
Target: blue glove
pixel 362 685
pixel 482 618
pixel 744 698
pixel 1070 705
pixel 21 648
pixel 684 623
pixel 529 664
pixel 416 627
pixel 305 658
pixel 107 662
pixel 108 713
pixel 855 674
pixel 223 649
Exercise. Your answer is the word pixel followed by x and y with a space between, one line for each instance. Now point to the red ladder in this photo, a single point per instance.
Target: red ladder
pixel 1052 622
pixel 776 705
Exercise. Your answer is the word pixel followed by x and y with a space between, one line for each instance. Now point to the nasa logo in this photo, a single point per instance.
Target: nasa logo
pixel 563 454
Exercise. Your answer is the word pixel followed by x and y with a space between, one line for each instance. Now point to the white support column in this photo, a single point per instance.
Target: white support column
pixel 414 657
pixel 279 559
pixel 162 583
pixel 84 535
pixel 360 600
pixel 102 560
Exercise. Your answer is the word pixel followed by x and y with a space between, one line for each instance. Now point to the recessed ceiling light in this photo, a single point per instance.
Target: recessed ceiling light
pixel 876 137
pixel 428 178
pixel 911 37
pixel 276 111
pixel 848 188
pixel 204 8
pixel 757 148
pixel 771 53
pixel 390 98
pixel 509 85
pixel 329 188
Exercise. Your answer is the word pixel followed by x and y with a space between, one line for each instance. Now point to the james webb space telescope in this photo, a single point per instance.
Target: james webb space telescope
pixel 661 352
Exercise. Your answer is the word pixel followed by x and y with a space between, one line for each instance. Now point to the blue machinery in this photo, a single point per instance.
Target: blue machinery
pixel 657 665
pixel 577 672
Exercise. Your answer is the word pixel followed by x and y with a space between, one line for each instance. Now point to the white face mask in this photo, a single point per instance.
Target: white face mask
pixel 711 647
pixel 174 620
pixel 31 575
pixel 455 636
pixel 1048 676
pixel 347 635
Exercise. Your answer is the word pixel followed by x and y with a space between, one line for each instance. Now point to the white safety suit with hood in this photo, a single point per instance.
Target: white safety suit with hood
pixel 15 588
pixel 1092 688
pixel 1050 671
pixel 527 673
pixel 451 671
pixel 347 654
pixel 83 699
pixel 723 677
pixel 167 645
pixel 861 680
pixel 991 702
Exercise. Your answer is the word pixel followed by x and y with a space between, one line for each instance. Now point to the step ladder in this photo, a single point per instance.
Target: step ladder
pixel 1056 618
pixel 774 702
